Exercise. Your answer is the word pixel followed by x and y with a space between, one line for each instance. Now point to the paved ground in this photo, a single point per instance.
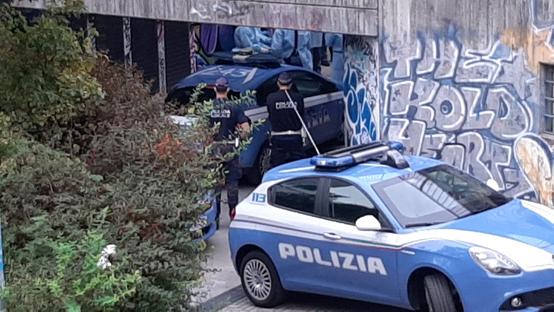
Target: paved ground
pixel 222 276
pixel 303 302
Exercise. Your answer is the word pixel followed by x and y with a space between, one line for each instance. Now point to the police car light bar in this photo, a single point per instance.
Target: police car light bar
pixel 388 152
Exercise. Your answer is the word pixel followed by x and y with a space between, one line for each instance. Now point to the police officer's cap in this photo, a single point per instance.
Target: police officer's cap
pixel 221 84
pixel 285 78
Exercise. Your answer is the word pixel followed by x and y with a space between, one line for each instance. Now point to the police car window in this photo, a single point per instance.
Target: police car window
pixel 347 203
pixel 309 84
pixel 437 195
pixel 299 195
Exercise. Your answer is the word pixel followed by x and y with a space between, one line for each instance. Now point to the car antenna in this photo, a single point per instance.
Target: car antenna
pixel 302 121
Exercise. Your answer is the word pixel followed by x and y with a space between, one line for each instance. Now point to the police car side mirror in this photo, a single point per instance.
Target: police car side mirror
pixel 368 223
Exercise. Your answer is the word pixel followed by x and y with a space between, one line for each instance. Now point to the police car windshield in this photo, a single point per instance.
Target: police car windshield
pixel 436 195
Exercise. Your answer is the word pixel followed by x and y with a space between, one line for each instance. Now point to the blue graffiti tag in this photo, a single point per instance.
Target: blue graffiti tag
pixel 359 110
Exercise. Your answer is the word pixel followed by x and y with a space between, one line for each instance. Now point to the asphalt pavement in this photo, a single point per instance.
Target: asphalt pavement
pixel 305 302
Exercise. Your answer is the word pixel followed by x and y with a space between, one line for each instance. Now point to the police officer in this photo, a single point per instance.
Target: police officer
pixel 286 127
pixel 231 118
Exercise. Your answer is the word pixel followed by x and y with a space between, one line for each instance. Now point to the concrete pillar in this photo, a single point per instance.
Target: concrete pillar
pixel 161 58
pixel 90 28
pixel 127 46
pixel 194 42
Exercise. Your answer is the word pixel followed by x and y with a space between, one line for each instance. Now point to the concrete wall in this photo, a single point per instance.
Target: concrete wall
pixel 342 16
pixel 460 81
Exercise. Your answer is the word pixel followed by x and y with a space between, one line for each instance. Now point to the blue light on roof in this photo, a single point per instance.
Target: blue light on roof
pixel 351 156
pixel 397 146
pixel 330 162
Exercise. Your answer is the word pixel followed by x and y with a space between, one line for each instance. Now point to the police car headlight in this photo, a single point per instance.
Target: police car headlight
pixel 494 262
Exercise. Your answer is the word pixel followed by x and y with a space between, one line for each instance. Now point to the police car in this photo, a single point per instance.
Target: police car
pixel 323 101
pixel 207 224
pixel 369 224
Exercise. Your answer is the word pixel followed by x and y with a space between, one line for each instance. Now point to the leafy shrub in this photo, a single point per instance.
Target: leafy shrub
pixel 45 69
pixel 53 236
pixel 109 155
pixel 153 183
pixel 75 283
pixel 158 182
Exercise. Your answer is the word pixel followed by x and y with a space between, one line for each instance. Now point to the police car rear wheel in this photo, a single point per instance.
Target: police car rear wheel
pixel 260 280
pixel 438 294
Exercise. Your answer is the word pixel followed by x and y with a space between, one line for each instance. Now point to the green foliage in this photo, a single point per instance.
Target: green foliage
pixel 75 283
pixel 6 136
pixel 45 69
pixel 54 232
pixel 158 185
pixel 119 172
pixel 199 111
pixel 153 183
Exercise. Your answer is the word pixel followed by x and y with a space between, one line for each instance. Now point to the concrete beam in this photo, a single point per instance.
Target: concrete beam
pixel 342 16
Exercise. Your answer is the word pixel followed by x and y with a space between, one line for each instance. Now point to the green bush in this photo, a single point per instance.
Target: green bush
pixel 54 229
pixel 136 165
pixel 45 70
pixel 112 169
pixel 158 185
pixel 74 283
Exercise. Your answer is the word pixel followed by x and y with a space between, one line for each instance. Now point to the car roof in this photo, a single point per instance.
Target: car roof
pixel 241 77
pixel 367 173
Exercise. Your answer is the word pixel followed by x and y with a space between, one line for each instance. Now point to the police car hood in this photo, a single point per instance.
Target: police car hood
pixel 520 221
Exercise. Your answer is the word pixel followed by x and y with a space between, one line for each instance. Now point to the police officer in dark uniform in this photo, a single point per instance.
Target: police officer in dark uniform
pixel 286 127
pixel 231 119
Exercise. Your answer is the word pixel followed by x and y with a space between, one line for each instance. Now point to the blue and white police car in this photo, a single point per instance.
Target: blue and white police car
pixel 323 101
pixel 367 223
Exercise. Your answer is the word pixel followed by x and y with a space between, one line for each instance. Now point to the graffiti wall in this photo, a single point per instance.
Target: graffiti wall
pixel 477 109
pixel 361 89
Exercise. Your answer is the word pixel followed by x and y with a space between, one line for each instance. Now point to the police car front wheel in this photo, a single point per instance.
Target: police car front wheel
pixel 260 280
pixel 439 294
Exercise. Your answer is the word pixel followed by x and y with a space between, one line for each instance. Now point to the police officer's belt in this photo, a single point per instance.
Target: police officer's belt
pixel 289 132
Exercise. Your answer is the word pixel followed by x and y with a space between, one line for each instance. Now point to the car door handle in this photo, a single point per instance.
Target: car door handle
pixel 332 236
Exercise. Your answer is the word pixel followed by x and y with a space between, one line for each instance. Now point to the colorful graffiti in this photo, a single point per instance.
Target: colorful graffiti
pixel 536 160
pixel 466 107
pixel 361 89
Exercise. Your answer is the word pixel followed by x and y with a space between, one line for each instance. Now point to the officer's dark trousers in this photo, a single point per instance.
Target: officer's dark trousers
pixel 286 148
pixel 233 173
